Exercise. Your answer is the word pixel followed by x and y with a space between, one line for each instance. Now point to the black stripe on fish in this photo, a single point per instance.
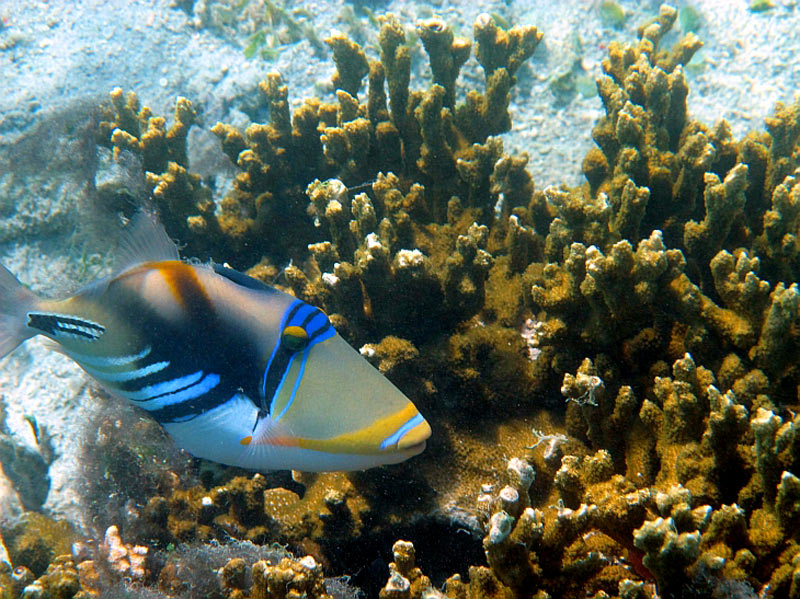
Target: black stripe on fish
pixel 280 361
pixel 167 387
pixel 242 279
pixel 276 372
pixel 309 318
pixel 54 325
pixel 186 410
pixel 320 331
pixel 295 308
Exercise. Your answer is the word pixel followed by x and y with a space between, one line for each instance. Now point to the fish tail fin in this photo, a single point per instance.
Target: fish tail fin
pixel 15 301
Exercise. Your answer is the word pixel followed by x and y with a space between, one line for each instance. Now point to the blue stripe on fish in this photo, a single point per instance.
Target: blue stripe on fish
pixel 108 361
pixel 288 314
pixel 317 327
pixel 186 410
pixel 312 314
pixel 300 316
pixel 190 392
pixel 279 386
pixel 318 322
pixel 311 319
pixel 153 391
pixel 296 386
pixel 394 438
pixel 126 375
pixel 325 331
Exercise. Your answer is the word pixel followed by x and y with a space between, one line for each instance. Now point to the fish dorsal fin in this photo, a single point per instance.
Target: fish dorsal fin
pixel 144 240
pixel 242 279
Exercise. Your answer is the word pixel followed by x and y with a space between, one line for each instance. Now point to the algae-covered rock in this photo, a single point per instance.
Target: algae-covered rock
pixel 36 540
pixel 25 468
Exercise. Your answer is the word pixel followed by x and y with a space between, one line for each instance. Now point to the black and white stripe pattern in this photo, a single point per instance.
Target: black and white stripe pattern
pixel 169 394
pixel 158 386
pixel 58 326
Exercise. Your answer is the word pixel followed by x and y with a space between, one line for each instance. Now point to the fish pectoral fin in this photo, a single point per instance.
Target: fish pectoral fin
pixel 269 432
pixel 218 434
pixel 258 447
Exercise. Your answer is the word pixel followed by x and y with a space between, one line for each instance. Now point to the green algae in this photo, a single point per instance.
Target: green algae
pixel 690 18
pixel 37 539
pixel 758 6
pixel 611 13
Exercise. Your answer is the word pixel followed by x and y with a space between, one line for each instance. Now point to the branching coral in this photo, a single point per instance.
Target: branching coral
pixel 183 200
pixel 694 527
pixel 778 243
pixel 659 297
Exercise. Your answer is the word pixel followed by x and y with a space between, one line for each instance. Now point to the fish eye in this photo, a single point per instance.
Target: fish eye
pixel 294 338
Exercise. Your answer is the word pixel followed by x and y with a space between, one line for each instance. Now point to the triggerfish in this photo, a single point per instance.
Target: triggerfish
pixel 234 370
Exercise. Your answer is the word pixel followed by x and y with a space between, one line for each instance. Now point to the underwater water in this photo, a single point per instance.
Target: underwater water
pixel 487 299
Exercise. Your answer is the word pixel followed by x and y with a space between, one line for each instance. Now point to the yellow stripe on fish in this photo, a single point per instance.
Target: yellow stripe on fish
pixel 403 430
pixel 236 371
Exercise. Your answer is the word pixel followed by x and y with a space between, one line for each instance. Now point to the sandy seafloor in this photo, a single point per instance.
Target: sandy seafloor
pixel 59 58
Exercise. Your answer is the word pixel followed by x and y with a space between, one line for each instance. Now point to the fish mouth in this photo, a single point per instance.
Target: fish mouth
pixel 414 440
pixel 413 450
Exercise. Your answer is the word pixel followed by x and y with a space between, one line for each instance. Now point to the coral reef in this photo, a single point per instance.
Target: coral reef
pixel 420 137
pixel 126 560
pixel 35 540
pixel 234 571
pixel 645 325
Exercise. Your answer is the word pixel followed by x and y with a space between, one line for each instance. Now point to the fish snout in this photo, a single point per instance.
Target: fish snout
pixel 410 436
pixel 342 405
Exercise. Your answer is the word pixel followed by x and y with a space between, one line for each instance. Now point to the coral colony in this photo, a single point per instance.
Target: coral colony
pixel 659 297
